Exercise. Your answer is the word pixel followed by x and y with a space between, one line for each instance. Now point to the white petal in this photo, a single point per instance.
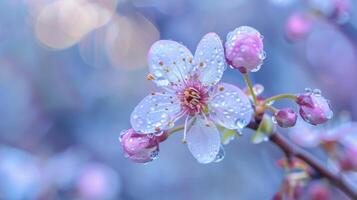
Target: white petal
pixel 203 141
pixel 155 112
pixel 230 107
pixel 169 63
pixel 209 59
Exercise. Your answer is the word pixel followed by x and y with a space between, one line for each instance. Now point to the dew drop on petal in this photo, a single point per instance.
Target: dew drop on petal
pixel 241 123
pixel 210 58
pixel 154 113
pixel 230 107
pixel 220 156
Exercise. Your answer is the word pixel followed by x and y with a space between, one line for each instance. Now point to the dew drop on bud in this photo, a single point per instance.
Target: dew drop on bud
pixel 316 92
pixel 154 155
pixel 308 90
pixel 273 118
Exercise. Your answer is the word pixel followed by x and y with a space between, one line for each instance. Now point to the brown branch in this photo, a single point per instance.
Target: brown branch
pixel 291 149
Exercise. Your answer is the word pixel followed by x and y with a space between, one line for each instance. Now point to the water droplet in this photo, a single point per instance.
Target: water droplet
pixel 308 90
pixel 258 89
pixel 263 55
pixel 316 92
pixel 161 81
pixel 239 132
pixel 270 103
pixel 329 115
pixel 154 154
pixel 220 155
pixel 241 123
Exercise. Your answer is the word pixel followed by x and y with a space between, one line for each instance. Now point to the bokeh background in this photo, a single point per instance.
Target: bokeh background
pixel 71 72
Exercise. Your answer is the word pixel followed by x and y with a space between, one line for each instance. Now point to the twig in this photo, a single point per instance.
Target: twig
pixel 291 149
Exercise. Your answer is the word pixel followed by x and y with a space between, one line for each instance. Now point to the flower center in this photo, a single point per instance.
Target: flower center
pixel 192 97
pixel 193 100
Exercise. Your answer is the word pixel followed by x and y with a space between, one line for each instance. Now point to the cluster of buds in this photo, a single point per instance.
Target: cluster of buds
pixel 313 108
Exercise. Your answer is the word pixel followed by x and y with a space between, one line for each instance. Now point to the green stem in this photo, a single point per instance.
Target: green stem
pixel 271 108
pixel 280 96
pixel 249 84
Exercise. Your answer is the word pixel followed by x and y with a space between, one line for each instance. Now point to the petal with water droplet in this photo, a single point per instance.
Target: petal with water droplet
pixel 210 62
pixel 156 112
pixel 203 141
pixel 230 107
pixel 170 63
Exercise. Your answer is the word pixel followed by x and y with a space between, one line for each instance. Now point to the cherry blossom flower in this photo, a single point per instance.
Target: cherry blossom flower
pixel 191 91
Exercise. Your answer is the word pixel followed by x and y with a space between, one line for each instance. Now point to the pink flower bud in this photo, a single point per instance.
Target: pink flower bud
pixel 314 108
pixel 140 148
pixel 297 27
pixel 244 49
pixel 319 192
pixel 286 117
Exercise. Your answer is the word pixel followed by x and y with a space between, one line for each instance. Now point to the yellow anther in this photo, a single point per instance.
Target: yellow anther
pixel 150 77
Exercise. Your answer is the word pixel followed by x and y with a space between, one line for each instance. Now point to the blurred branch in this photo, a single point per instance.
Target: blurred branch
pixel 291 149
